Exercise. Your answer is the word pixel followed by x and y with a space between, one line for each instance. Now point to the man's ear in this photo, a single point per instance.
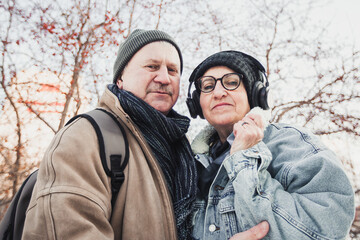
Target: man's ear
pixel 119 83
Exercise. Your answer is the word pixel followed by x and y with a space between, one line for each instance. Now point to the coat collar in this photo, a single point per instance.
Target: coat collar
pixel 201 144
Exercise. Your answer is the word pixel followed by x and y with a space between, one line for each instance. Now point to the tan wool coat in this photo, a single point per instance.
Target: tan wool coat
pixel 72 196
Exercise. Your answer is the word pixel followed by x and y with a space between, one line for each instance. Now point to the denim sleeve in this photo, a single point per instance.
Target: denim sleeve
pixel 294 183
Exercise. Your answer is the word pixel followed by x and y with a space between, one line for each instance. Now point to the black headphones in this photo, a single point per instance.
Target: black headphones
pixel 193 103
pixel 259 92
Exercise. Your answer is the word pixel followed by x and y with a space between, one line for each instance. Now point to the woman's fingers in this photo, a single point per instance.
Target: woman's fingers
pixel 254 233
pixel 248 132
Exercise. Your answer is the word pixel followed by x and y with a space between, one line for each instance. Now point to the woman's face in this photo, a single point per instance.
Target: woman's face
pixel 223 108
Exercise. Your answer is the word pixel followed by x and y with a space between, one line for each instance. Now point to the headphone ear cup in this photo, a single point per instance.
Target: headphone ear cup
pixel 255 94
pixel 259 96
pixel 263 98
pixel 193 105
pixel 196 101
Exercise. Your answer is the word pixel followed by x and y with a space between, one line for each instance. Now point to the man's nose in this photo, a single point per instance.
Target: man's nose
pixel 162 76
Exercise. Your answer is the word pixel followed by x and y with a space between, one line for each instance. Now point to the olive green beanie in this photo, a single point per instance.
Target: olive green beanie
pixel 134 42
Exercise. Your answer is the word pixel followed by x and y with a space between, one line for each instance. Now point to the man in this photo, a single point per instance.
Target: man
pixel 72 196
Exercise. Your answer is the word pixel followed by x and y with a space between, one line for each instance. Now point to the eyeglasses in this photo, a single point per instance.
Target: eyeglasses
pixel 229 81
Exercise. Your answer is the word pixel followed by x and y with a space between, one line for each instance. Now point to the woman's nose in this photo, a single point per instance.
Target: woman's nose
pixel 219 91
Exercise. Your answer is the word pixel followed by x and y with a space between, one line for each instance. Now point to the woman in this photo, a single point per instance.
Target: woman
pixel 250 172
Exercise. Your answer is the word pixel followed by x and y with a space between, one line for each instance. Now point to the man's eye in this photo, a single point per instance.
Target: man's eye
pixel 172 70
pixel 154 67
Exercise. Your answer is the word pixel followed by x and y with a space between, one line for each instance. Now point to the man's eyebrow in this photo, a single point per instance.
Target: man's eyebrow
pixel 173 65
pixel 152 60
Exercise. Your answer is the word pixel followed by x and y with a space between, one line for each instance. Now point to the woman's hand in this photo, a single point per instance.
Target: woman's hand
pixel 254 233
pixel 248 132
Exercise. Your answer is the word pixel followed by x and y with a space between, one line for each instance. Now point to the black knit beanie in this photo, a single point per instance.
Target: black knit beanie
pixel 239 62
pixel 134 42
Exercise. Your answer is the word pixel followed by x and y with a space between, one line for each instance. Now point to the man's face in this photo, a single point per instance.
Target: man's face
pixel 153 74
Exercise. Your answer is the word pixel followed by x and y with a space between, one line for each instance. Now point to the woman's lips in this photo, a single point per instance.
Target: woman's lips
pixel 221 105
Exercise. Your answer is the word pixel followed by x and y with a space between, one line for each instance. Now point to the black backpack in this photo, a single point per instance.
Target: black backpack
pixel 114 159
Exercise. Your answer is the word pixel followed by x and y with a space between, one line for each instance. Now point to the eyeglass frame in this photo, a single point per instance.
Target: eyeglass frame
pixel 241 77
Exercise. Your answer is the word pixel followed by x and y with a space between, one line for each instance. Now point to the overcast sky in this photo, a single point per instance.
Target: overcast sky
pixel 345 20
pixel 344 16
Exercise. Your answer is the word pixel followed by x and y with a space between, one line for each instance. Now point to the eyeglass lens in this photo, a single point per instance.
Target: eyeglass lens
pixel 229 81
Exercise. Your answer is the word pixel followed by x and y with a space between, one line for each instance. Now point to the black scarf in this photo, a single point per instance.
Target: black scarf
pixel 166 137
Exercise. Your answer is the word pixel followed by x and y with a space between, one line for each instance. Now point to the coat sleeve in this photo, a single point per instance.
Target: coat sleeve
pixel 71 198
pixel 295 183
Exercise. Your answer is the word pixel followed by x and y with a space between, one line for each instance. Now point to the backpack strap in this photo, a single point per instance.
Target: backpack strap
pixel 114 154
pixel 113 145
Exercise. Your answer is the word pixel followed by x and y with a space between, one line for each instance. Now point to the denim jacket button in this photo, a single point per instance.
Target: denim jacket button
pixel 212 228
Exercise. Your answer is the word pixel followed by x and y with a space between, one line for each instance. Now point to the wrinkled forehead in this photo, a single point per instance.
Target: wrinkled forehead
pixel 159 51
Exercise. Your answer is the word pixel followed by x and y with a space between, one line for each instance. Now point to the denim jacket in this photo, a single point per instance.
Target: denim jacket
pixel 289 179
